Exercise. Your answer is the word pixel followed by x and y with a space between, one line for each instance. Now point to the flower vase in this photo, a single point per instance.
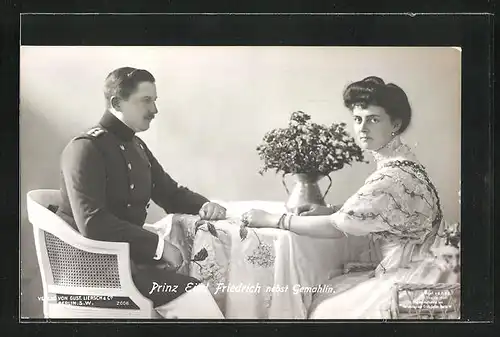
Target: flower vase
pixel 305 192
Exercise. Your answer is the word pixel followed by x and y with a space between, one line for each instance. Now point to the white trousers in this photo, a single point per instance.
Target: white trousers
pixel 197 303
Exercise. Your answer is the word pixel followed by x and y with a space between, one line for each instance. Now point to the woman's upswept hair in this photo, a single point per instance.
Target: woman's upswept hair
pixel 373 90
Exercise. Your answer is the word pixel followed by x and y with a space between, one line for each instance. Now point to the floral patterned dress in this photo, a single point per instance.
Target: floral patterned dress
pixel 399 208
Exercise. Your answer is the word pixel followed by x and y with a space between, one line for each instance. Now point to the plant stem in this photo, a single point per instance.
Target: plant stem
pixel 260 243
pixel 217 229
pixel 199 265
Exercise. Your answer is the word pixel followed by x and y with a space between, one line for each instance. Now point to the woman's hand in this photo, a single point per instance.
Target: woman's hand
pixel 259 218
pixel 311 210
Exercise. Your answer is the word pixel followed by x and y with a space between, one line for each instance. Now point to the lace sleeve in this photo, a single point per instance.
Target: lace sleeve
pixel 390 201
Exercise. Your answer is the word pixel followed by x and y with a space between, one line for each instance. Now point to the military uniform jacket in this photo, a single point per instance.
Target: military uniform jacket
pixel 108 178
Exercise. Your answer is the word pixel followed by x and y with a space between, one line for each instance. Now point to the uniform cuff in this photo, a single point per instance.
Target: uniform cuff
pixel 159 248
pixel 206 202
pixel 162 228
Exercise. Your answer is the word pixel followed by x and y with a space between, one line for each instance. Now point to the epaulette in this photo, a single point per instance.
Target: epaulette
pixel 96 132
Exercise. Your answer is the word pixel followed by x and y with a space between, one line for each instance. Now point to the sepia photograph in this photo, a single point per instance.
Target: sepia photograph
pixel 213 183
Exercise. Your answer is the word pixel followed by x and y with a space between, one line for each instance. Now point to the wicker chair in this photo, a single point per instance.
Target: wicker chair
pixel 81 278
pixel 417 301
pixel 432 301
pixel 425 301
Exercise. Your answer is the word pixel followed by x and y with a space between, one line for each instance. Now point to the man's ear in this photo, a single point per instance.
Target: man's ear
pixel 114 102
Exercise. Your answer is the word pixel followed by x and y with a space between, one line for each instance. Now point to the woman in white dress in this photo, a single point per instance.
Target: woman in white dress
pixel 398 206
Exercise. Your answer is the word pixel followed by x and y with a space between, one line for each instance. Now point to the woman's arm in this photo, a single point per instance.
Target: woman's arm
pixel 320 226
pixel 387 202
pixel 314 226
pixel 315 210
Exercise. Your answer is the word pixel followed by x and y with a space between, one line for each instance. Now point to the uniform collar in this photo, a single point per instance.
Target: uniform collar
pixel 116 126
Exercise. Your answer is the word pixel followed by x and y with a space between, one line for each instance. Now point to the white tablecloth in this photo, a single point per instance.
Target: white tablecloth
pixel 270 274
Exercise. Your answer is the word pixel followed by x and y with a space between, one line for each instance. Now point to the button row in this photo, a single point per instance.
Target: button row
pixel 147 205
pixel 129 165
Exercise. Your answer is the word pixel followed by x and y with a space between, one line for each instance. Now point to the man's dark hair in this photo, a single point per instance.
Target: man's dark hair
pixel 122 82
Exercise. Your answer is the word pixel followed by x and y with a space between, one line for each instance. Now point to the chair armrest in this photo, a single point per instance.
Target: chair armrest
pixel 43 219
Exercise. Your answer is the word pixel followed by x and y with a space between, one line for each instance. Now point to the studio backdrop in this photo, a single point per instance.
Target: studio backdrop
pixel 215 105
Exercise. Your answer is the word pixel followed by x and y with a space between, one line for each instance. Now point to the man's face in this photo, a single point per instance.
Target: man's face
pixel 140 108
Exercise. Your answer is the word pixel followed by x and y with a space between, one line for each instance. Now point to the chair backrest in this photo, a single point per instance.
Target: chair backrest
pixel 72 264
pixel 68 265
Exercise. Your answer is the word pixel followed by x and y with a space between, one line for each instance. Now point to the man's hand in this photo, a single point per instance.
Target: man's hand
pixel 212 211
pixel 311 210
pixel 173 256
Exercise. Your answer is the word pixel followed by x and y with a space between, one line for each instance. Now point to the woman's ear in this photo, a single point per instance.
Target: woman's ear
pixel 396 125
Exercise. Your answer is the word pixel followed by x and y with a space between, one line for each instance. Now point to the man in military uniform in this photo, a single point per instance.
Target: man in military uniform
pixel 109 177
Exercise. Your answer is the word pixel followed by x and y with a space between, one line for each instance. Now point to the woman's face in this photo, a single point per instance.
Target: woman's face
pixel 373 127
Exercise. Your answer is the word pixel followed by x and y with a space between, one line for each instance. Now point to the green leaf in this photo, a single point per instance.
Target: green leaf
pixel 200 256
pixel 212 230
pixel 305 146
pixel 198 224
pixel 243 232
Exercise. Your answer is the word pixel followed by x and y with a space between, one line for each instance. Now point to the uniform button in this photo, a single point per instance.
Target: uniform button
pixel 132 186
pixel 122 147
pixel 129 166
pixel 129 205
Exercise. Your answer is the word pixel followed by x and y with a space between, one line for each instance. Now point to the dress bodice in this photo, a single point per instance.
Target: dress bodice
pixel 397 207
